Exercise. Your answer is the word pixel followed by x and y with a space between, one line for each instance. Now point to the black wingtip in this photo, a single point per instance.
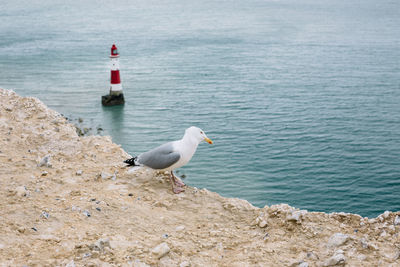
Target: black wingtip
pixel 131 162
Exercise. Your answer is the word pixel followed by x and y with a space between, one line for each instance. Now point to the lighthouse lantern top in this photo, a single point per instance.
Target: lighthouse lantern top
pixel 114 51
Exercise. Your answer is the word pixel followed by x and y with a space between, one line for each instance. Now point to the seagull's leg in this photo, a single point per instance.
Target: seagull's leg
pixel 178 182
pixel 176 189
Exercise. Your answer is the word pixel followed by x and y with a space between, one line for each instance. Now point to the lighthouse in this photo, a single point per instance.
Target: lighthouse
pixel 116 96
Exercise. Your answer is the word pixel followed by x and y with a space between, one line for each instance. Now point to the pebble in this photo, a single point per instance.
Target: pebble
pixel 21 191
pixel 397 220
pixel 98 209
pixel 180 228
pixel 361 257
pixel 184 264
pixel 44 173
pixel 383 234
pixel 262 223
pixel 386 214
pixel 138 263
pixel 70 264
pixel 45 215
pixel 337 240
pixel 335 260
pixel 296 215
pixel 303 264
pixel 86 213
pixel 165 236
pixel 102 243
pixel 45 161
pixel 79 172
pixel 105 175
pixel 311 255
pixel 161 250
pixel 75 208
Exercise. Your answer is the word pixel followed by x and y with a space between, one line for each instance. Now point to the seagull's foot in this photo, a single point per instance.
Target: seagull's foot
pixel 178 190
pixel 178 182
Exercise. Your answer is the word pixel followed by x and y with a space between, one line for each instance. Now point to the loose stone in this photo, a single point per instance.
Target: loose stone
pixel 86 213
pixel 335 260
pixel 45 161
pixel 397 220
pixel 337 240
pixel 45 215
pixel 161 250
pixel 21 191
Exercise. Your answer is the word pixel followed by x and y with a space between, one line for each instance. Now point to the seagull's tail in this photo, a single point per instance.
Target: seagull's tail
pixel 131 162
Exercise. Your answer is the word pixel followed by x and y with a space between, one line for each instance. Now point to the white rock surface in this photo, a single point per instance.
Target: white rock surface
pixel 262 223
pixel 397 220
pixel 337 259
pixel 180 228
pixel 337 240
pixel 21 191
pixel 70 264
pixel 296 215
pixel 184 264
pixel 138 263
pixel 45 161
pixel 161 250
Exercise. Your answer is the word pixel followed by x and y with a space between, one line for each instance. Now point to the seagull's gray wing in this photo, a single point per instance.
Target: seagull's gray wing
pixel 160 157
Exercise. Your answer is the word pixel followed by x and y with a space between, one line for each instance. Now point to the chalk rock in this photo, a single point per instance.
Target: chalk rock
pixel 180 228
pixel 383 234
pixel 296 215
pixel 303 264
pixel 262 223
pixel 166 262
pixel 397 220
pixel 386 214
pixel 70 264
pixel 21 191
pixel 45 161
pixel 337 259
pixel 86 213
pixel 361 257
pixel 45 215
pixel 184 264
pixel 101 244
pixel 161 250
pixel 337 240
pixel 138 263
pixel 364 243
pixel 105 175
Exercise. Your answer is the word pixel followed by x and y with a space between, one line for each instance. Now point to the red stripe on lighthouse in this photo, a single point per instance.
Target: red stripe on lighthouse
pixel 115 79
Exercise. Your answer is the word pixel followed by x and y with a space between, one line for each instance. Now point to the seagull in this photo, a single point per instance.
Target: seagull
pixel 172 155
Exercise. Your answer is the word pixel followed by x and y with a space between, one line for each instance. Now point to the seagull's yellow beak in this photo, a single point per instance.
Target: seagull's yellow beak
pixel 208 140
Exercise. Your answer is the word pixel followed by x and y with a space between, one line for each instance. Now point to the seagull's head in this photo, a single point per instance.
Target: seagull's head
pixel 198 134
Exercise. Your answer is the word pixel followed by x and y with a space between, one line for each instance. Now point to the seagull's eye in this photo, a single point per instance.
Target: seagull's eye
pixel 201 132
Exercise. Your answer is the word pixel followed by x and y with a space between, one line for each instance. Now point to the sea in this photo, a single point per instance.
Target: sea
pixel 301 97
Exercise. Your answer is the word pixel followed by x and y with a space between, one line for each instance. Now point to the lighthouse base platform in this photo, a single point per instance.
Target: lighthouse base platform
pixel 112 100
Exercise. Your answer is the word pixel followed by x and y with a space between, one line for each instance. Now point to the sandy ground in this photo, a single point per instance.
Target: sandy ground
pixel 83 208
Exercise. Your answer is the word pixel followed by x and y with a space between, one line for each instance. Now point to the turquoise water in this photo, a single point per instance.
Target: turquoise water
pixel 302 98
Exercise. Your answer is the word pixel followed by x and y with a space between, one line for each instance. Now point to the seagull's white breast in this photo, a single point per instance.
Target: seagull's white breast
pixel 186 149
